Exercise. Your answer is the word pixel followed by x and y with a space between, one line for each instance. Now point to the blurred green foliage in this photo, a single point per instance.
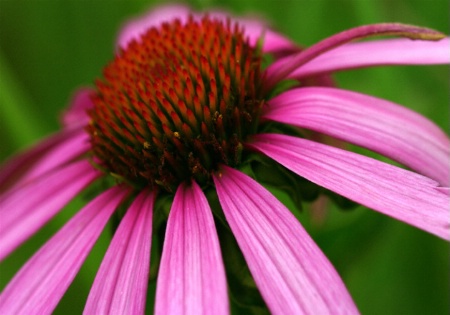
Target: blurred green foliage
pixel 49 48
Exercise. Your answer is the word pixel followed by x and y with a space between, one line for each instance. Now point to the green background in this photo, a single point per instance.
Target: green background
pixel 49 48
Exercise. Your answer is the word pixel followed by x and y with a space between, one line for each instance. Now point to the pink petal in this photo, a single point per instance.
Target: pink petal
pixel 444 190
pixel 376 53
pixel 401 194
pixel 42 281
pixel 46 155
pixel 284 67
pixel 292 274
pixel 191 277
pixel 273 42
pixel 379 125
pixel 25 210
pixel 254 29
pixel 120 286
pixel 72 148
pixel 76 115
pixel 133 29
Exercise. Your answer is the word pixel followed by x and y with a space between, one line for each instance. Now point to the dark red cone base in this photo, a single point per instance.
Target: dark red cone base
pixel 177 103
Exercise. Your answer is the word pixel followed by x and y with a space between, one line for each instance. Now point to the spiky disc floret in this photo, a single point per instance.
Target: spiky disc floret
pixel 177 103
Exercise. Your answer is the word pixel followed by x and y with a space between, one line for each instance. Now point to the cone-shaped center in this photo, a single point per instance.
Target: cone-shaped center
pixel 177 103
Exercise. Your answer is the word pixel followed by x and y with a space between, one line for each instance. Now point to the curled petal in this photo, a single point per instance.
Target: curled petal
pixel 191 277
pixel 292 274
pixel 25 210
pixel 120 286
pixel 401 194
pixel 376 53
pixel 284 67
pixel 42 281
pixel 379 125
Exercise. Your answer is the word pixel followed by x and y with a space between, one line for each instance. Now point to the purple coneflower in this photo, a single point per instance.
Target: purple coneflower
pixel 183 108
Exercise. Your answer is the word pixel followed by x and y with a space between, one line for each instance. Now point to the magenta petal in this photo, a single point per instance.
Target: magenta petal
pixel 42 281
pixel 291 272
pixel 272 42
pixel 284 67
pixel 25 210
pixel 379 125
pixel 137 26
pixel 60 154
pixel 191 277
pixel 444 190
pixel 254 29
pixel 46 155
pixel 76 115
pixel 120 286
pixel 396 192
pixel 375 53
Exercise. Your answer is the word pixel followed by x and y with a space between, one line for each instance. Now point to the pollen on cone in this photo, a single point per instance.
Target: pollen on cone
pixel 171 105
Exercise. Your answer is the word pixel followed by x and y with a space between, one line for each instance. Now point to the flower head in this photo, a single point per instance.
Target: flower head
pixel 185 109
pixel 165 113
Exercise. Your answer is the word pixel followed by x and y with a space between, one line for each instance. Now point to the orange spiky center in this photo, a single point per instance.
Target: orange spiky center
pixel 177 103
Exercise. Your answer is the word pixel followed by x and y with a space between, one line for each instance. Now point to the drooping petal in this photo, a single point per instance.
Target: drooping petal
pixel 191 277
pixel 26 209
pixel 76 115
pixel 254 29
pixel 284 67
pixel 42 281
pixel 120 286
pixel 401 194
pixel 61 154
pixel 292 274
pixel 376 53
pixel 48 154
pixel 376 124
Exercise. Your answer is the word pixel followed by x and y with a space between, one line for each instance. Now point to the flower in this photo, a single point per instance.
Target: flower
pixel 184 108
